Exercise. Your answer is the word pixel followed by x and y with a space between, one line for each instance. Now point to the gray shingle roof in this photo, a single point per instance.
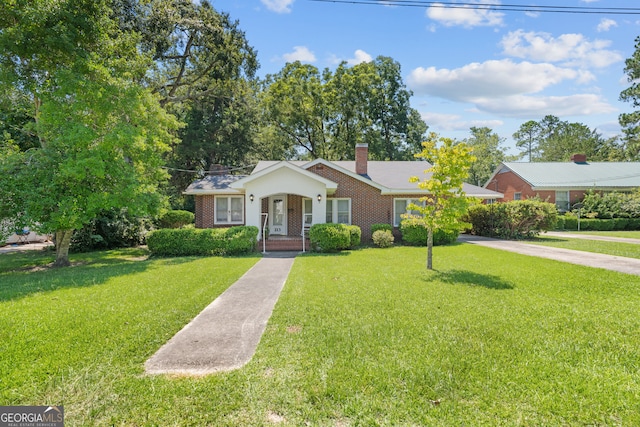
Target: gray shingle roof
pixel 393 175
pixel 217 183
pixel 578 175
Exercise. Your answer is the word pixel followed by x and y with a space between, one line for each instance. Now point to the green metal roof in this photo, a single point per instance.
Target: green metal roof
pixel 606 175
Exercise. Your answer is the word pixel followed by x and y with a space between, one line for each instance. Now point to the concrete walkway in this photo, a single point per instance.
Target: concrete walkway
pixel 608 262
pixel 225 335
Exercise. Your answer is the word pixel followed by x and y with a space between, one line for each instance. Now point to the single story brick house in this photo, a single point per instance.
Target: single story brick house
pixel 562 183
pixel 290 196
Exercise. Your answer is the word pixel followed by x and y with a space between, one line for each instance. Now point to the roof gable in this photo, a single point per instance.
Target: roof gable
pixel 270 168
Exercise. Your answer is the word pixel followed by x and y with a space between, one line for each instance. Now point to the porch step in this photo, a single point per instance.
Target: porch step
pixel 284 244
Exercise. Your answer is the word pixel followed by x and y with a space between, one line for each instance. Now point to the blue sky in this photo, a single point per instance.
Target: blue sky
pixel 466 67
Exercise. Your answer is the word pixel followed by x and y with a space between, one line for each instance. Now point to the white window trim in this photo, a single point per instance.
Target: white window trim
pixel 519 194
pixel 408 201
pixel 334 210
pixel 228 221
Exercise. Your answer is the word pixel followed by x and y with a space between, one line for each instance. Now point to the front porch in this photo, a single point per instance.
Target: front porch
pixel 284 243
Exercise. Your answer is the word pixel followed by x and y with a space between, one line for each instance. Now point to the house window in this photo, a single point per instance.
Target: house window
pixel 562 201
pixel 339 211
pixel 229 210
pixel 400 208
pixel 517 196
pixel 307 212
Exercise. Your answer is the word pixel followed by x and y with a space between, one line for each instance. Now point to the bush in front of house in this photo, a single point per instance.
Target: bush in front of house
pixel 382 226
pixel 383 238
pixel 205 241
pixel 110 229
pixel 329 237
pixel 355 236
pixel 414 233
pixel 175 219
pixel 241 239
pixel 520 219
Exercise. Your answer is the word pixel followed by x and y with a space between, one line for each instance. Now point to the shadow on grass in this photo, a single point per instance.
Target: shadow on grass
pixel 472 279
pixel 88 269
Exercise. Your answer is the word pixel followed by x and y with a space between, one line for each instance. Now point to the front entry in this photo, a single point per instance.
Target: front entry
pixel 278 215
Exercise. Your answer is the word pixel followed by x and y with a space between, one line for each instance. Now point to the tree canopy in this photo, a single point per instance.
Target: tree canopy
pixel 630 122
pixel 555 140
pixel 101 135
pixel 325 114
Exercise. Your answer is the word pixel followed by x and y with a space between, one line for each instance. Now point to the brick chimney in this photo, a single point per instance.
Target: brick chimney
pixel 362 157
pixel 579 158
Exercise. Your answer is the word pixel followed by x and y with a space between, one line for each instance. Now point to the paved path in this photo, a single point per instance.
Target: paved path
pixel 608 262
pixel 591 237
pixel 25 247
pixel 225 335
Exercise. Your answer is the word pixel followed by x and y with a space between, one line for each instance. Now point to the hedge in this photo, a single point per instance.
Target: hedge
pixel 333 237
pixel 414 233
pixel 569 222
pixel 206 241
pixel 519 219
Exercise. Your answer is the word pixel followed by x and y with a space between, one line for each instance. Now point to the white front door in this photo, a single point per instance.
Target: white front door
pixel 278 215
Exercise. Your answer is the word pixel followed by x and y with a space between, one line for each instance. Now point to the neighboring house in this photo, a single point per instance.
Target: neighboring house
pixel 562 183
pixel 289 196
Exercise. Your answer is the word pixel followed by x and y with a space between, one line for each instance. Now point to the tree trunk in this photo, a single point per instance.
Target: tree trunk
pixel 63 241
pixel 429 249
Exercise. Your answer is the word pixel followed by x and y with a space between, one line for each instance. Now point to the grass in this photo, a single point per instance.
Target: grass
pixel 362 338
pixel 628 250
pixel 626 234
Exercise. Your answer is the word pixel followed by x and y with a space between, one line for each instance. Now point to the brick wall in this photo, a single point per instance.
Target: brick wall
pixel 205 213
pixel 509 183
pixel 368 206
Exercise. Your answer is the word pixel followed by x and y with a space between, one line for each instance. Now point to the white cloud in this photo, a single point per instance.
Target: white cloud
pixel 606 24
pixel 300 53
pixel 493 79
pixel 359 57
pixel 464 15
pixel 278 6
pixel 568 49
pixel 455 122
pixel 538 106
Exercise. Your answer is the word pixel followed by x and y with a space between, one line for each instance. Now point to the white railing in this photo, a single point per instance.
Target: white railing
pixel 305 231
pixel 264 239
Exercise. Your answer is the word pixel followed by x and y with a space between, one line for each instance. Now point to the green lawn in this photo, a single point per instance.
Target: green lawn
pixel 361 338
pixel 627 234
pixel 629 250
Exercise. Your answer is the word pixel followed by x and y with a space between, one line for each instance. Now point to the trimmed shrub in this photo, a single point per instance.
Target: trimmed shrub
pixel 560 222
pixel 634 224
pixel 176 219
pixel 329 237
pixel 620 223
pixel 383 238
pixel 241 239
pixel 521 219
pixel 205 241
pixel 414 233
pixel 355 236
pixel 383 227
pixel 570 222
